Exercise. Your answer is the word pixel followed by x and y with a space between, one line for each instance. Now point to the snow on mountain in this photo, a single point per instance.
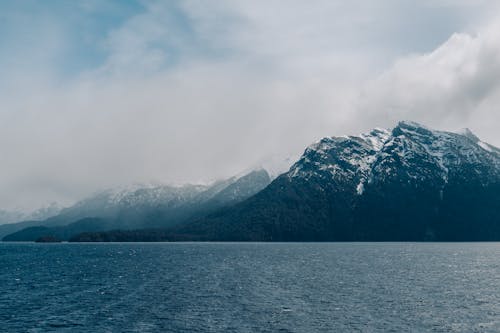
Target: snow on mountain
pixel 141 194
pixel 382 152
pixel 143 206
pixel 406 183
pixel 171 196
pixel 172 203
pixel 42 213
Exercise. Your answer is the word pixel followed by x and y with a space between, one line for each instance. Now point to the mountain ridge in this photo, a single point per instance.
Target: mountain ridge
pixel 139 207
pixel 408 183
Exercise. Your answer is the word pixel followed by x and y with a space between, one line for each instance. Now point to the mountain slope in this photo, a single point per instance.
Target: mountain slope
pixel 60 232
pixel 144 207
pixel 42 213
pixel 8 219
pixel 408 183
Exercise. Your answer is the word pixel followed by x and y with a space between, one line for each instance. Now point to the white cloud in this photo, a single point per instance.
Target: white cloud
pixel 206 90
pixel 456 85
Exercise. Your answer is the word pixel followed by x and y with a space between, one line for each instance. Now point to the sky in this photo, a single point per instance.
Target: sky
pixel 102 93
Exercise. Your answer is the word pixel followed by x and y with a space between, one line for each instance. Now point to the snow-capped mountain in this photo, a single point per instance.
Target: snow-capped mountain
pixel 124 202
pixel 412 151
pixel 109 203
pixel 42 213
pixel 406 183
pixel 151 206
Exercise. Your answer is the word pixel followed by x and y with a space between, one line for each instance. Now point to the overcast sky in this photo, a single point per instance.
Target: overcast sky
pixel 95 94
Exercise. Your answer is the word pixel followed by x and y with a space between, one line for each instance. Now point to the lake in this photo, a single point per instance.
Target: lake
pixel 250 287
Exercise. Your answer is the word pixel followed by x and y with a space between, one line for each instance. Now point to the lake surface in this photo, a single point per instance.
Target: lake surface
pixel 250 287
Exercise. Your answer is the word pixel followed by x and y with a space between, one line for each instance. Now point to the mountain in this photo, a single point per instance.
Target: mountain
pixel 409 183
pixel 9 219
pixel 143 207
pixel 8 216
pixel 60 232
pixel 12 216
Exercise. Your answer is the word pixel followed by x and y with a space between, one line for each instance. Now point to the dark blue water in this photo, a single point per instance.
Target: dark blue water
pixel 185 287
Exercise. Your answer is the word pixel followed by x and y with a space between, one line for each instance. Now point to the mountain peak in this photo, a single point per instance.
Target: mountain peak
pixel 410 124
pixel 411 128
pixel 468 133
pixel 411 183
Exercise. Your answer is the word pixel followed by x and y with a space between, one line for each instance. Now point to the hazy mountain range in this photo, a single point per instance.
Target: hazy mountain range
pixel 141 207
pixel 405 183
pixel 11 216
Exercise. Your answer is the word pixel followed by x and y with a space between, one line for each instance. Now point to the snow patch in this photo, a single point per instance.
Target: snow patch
pixel 360 188
pixel 468 133
pixel 485 146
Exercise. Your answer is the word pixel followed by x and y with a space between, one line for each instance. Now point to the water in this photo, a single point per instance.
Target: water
pixel 247 287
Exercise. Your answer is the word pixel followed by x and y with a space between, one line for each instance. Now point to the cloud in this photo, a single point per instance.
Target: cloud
pixel 455 85
pixel 191 91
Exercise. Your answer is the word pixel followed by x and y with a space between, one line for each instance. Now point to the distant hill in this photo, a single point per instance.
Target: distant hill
pixel 12 216
pixel 60 232
pixel 143 207
pixel 9 219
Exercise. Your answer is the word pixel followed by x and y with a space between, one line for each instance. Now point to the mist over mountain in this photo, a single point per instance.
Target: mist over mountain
pixel 405 183
pixel 42 213
pixel 141 207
